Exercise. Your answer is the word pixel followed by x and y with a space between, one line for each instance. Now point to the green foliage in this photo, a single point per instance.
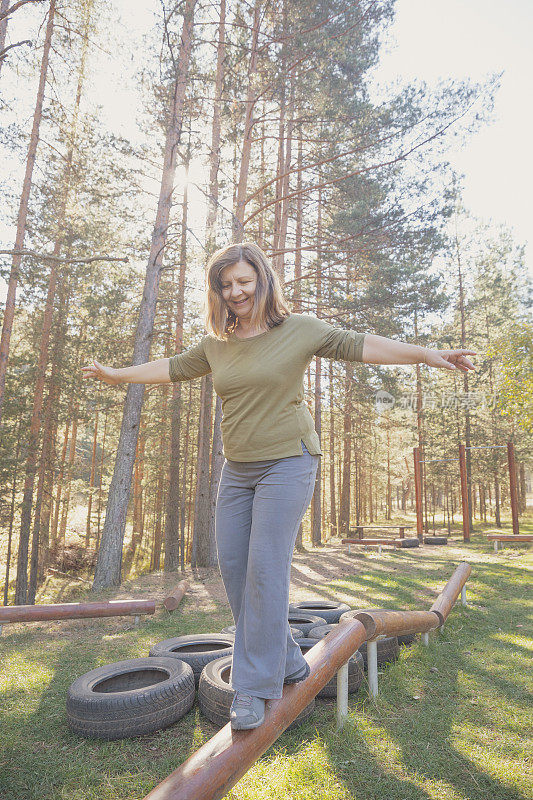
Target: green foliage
pixel 514 374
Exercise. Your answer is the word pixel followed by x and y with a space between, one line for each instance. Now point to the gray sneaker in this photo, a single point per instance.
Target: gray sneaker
pixel 299 675
pixel 246 711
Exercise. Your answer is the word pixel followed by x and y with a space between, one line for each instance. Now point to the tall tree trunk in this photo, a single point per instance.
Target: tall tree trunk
pixel 155 561
pixel 344 505
pixel 316 501
pixel 9 310
pixel 54 541
pixel 468 437
pixel 420 426
pixel 185 493
pixel 333 531
pixel 18 440
pixel 100 482
pixel 91 482
pixel 217 456
pixel 108 566
pixel 242 185
pixel 296 292
pixel 172 516
pixel 204 549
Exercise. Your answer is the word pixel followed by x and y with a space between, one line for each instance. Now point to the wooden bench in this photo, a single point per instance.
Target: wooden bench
pixel 379 543
pixel 508 537
pixel 360 528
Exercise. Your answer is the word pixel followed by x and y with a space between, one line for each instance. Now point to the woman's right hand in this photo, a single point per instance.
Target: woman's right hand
pixel 101 373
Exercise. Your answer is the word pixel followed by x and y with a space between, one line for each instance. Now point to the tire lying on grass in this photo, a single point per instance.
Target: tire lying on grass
pixel 329 610
pixel 196 649
pixel 130 698
pixel 304 620
pixel 215 694
pixel 355 671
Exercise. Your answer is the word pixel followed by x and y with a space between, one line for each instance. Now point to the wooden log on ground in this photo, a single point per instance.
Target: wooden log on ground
pixel 172 601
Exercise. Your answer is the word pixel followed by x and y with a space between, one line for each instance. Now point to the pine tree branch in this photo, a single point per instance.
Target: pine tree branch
pixel 16 6
pixel 59 259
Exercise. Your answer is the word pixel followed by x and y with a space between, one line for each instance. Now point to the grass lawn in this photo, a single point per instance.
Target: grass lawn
pixel 451 721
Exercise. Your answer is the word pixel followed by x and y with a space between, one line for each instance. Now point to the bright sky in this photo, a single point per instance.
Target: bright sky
pixel 432 40
pixel 429 40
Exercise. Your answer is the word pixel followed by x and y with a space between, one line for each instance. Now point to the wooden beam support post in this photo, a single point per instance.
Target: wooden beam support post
pixel 512 487
pixel 464 492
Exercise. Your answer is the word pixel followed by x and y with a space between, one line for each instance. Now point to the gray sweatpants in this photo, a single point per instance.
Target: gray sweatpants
pixel 260 505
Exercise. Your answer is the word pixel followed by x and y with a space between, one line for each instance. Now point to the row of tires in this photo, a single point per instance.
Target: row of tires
pixel 143 695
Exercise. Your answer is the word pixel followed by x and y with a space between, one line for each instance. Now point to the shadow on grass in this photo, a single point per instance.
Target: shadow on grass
pixel 40 757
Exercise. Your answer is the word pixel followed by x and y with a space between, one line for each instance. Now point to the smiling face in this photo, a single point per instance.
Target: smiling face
pixel 238 288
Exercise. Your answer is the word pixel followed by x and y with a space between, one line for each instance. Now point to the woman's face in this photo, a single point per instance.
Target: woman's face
pixel 238 287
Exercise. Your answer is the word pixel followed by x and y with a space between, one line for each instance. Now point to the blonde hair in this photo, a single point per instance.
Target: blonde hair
pixel 270 307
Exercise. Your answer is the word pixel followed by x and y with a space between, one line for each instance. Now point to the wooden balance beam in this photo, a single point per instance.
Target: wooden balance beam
pixel 105 608
pixel 210 772
pixel 360 528
pixel 508 537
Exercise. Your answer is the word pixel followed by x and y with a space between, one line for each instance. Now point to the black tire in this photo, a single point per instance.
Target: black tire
pixel 355 671
pixel 296 632
pixel 319 631
pixel 304 620
pixel 408 542
pixel 130 698
pixel 329 610
pixel 403 639
pixel 215 694
pixel 195 649
pixel 435 540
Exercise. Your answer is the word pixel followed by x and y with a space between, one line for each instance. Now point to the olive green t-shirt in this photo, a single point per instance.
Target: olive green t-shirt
pixel 260 383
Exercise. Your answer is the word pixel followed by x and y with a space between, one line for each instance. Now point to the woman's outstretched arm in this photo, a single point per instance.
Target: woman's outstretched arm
pixel 151 372
pixel 380 350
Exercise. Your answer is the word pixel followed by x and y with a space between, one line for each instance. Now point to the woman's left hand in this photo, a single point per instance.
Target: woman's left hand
pixel 450 359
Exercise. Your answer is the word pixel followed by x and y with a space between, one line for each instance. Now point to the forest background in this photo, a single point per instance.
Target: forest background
pixel 256 121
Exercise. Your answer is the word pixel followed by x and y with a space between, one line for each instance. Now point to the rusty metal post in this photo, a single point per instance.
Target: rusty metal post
pixel 512 487
pixel 418 495
pixel 464 492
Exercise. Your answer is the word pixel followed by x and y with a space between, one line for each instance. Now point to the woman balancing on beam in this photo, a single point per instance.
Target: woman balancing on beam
pixel 258 351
